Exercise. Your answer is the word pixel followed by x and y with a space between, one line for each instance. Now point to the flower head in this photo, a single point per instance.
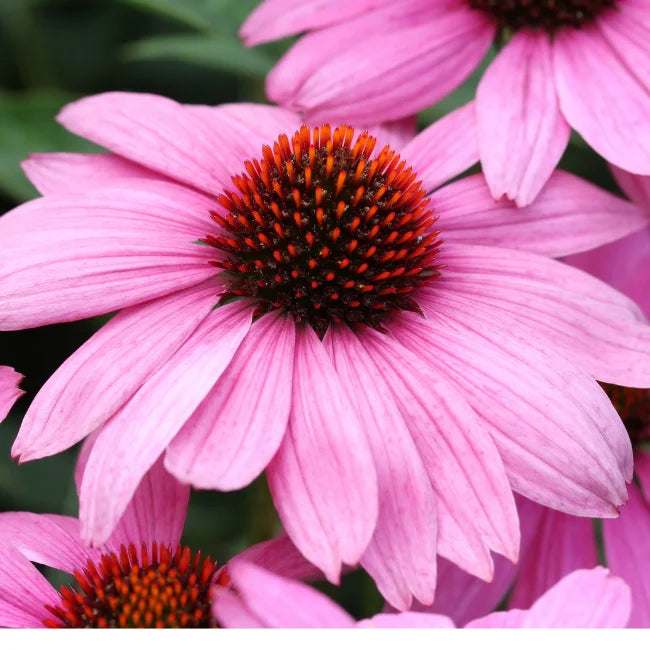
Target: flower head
pixel 394 393
pixel 369 60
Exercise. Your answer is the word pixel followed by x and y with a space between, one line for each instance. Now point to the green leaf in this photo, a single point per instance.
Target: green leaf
pixel 215 51
pixel 27 126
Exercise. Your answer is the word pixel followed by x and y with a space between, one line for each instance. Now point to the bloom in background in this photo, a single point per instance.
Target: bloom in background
pixel 583 599
pixel 368 60
pixel 553 544
pixel 141 577
pixel 396 390
pixel 9 391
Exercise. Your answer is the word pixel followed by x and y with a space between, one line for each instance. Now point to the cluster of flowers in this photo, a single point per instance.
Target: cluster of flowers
pixel 399 351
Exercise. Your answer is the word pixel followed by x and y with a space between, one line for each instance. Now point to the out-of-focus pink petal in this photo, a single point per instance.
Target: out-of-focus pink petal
pixel 323 479
pixel 521 132
pixel 611 117
pixel 574 457
pixel 407 58
pixel 69 256
pixel 444 149
pixel 232 436
pixel 635 186
pixel 41 539
pixel 280 556
pixel 401 557
pixel 156 512
pixel 569 215
pixel 105 372
pixel 274 19
pixel 626 552
pixel 24 592
pixel 545 302
pixel 133 439
pixel 74 172
pixel 396 134
pixel 586 598
pixel 9 391
pixel 274 601
pixel 407 620
pixel 476 509
pixel 557 544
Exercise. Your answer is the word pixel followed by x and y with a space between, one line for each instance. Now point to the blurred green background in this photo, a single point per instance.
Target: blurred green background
pixel 53 51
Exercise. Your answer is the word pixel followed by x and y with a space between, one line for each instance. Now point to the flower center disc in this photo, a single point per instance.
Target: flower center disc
pixel 549 15
pixel 633 405
pixel 156 588
pixel 322 230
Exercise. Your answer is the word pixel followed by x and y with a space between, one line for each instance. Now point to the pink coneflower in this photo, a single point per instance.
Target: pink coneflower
pixel 580 64
pixel 584 599
pixel 9 391
pixel 395 389
pixel 553 544
pixel 141 577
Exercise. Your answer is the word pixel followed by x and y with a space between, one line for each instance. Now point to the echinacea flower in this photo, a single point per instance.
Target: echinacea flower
pixel 9 391
pixel 305 318
pixel 566 64
pixel 585 599
pixel 141 577
pixel 553 543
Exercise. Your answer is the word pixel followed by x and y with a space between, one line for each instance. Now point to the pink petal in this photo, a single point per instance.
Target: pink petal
pixel 557 544
pixel 544 302
pixel 274 19
pixel 574 457
pixel 521 132
pixel 156 512
pixel 70 256
pixel 235 432
pixel 588 598
pixel 131 441
pixel 568 215
pixel 105 372
pixel 70 172
pixel 475 505
pixel 635 186
pixel 24 592
pixel 322 478
pixel 395 61
pixel 444 149
pixel 407 620
pixel 626 551
pixel 9 391
pixel 274 601
pixel 611 117
pixel 280 556
pixel 42 539
pixel 401 557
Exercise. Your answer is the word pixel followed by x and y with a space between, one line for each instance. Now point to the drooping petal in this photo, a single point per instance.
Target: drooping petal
pixel 156 512
pixel 237 429
pixel 543 301
pixel 569 215
pixel 24 592
pixel 611 117
pixel 575 456
pixel 105 372
pixel 132 440
pixel 274 601
pixel 588 598
pixel 444 149
pixel 407 620
pixel 69 256
pixel 626 552
pixel 475 505
pixel 323 479
pixel 405 59
pixel 521 132
pixel 401 557
pixel 74 172
pixel 635 186
pixel 9 391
